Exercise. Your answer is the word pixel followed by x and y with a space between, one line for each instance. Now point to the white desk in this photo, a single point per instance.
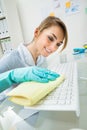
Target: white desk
pixel 67 120
pixel 58 120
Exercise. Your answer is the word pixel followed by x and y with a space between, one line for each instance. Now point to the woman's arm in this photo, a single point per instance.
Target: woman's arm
pixel 11 61
pixel 26 74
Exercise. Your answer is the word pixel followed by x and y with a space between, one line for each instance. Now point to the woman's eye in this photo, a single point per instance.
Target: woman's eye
pixel 59 44
pixel 50 38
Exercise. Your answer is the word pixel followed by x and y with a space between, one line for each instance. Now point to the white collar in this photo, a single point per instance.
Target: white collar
pixel 27 57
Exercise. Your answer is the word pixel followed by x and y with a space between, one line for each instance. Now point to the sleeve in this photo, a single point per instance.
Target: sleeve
pixel 5 81
pixel 4 63
pixel 10 61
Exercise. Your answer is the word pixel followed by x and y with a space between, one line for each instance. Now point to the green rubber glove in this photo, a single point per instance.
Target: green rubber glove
pixel 26 74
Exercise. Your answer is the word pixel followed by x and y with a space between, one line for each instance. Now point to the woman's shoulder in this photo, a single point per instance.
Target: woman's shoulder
pixel 10 61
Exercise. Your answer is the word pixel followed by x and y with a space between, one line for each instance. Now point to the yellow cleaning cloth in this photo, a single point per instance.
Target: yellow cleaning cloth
pixel 29 93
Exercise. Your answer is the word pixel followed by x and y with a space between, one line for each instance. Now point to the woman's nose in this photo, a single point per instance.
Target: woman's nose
pixel 53 47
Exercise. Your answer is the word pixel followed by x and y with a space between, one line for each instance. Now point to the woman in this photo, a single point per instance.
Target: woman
pixel 48 37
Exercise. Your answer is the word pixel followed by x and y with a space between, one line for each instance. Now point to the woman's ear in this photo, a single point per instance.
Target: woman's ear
pixel 36 33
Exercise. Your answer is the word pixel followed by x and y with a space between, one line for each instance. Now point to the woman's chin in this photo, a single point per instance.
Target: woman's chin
pixel 45 55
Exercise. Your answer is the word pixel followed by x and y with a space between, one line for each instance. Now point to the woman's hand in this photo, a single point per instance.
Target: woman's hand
pixel 33 73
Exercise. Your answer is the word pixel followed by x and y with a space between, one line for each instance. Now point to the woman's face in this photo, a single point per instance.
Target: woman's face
pixel 49 40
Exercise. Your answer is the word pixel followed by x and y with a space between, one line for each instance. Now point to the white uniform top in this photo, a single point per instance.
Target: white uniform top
pixel 18 58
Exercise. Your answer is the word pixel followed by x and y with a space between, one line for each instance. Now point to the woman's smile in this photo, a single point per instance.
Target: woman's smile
pixel 47 50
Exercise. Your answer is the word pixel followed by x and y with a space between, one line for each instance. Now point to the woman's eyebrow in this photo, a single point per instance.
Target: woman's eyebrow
pixel 54 36
pixel 61 42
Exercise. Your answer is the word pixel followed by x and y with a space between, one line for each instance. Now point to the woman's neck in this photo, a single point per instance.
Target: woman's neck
pixel 32 48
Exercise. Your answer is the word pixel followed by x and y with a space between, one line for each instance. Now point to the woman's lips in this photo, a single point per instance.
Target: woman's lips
pixel 48 50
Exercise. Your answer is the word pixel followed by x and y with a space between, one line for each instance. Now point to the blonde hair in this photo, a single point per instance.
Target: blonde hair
pixel 54 21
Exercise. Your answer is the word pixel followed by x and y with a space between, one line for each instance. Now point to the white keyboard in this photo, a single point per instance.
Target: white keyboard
pixel 66 96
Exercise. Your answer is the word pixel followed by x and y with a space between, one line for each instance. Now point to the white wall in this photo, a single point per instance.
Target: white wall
pixel 30 16
pixel 77 27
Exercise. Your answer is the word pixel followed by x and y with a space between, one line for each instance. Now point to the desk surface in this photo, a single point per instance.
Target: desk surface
pixel 67 120
pixel 58 120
